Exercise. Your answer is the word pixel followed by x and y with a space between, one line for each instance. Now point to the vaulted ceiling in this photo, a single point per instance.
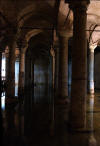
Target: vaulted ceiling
pixel 33 17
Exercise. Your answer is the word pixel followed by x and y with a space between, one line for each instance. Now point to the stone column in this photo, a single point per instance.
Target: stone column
pixel 7 62
pixel 22 44
pixel 92 140
pixel 7 69
pixel 11 73
pixel 79 66
pixel 91 70
pixel 56 68
pixel 63 68
pixel 53 66
pixel 1 129
pixel 32 80
pixel 21 73
pixel 27 98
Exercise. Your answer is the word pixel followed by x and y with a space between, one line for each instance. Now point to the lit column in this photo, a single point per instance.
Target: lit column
pixel 53 83
pixel 21 73
pixel 11 71
pixel 63 68
pixel 53 66
pixel 7 62
pixel 7 69
pixel 92 140
pixel 79 66
pixel 56 67
pixel 22 44
pixel 91 69
pixel 62 92
pixel 1 131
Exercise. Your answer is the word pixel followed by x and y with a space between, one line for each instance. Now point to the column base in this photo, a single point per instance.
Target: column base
pixel 91 91
pixel 91 87
pixel 92 141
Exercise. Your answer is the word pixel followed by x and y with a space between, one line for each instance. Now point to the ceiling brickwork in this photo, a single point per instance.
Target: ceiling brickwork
pixel 27 16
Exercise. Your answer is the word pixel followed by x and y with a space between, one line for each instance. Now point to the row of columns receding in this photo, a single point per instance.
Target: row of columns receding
pixel 79 68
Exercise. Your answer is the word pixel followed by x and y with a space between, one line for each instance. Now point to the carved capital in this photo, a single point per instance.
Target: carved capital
pixel 21 43
pixel 79 6
pixel 92 47
pixel 66 34
pixel 52 52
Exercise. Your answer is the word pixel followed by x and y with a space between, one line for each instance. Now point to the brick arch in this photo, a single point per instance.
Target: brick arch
pixel 32 33
pixel 94 35
pixel 32 10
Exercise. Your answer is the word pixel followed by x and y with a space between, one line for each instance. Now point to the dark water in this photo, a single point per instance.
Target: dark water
pixel 39 124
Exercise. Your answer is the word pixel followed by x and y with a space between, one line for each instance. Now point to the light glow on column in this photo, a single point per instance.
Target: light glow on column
pixel 16 77
pixel 3 67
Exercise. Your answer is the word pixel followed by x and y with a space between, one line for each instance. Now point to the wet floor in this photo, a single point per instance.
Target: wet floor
pixel 42 125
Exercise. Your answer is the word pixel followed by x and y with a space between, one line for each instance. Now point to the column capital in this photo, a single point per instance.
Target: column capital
pixel 65 34
pixel 52 52
pixel 7 50
pixel 22 43
pixel 68 1
pixel 92 47
pixel 17 52
pixel 79 5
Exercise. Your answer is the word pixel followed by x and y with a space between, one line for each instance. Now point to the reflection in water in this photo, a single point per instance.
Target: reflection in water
pixel 16 90
pixel 92 140
pixel 39 124
pixel 3 98
pixel 69 91
pixel 40 93
pixel 16 77
pixel 3 101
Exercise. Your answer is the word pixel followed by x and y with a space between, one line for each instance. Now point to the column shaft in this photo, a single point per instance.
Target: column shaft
pixel 27 98
pixel 7 66
pixel 1 129
pixel 63 68
pixel 91 72
pixel 32 81
pixel 7 72
pixel 21 74
pixel 11 73
pixel 56 69
pixel 79 67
